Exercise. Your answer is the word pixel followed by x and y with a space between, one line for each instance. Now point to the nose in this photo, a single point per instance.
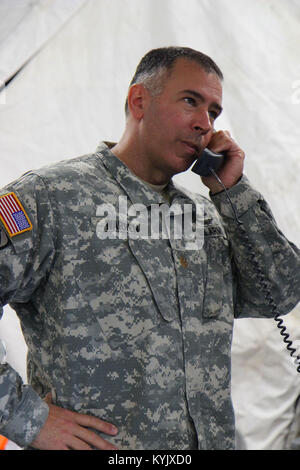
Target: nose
pixel 202 122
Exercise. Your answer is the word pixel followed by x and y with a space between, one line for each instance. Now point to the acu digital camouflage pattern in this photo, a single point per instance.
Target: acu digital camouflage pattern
pixel 136 332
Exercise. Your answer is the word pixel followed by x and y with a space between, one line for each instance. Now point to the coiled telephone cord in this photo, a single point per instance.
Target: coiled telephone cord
pixel 263 282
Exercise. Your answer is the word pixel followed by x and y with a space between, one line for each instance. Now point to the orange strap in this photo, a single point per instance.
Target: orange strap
pixel 3 442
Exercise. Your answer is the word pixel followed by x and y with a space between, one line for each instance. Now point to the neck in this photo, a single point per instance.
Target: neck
pixel 130 153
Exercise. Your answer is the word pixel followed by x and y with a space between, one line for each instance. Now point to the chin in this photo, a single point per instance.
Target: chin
pixel 181 168
pixel 186 163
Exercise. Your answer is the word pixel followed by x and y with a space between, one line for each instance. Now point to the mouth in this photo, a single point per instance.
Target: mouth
pixel 191 148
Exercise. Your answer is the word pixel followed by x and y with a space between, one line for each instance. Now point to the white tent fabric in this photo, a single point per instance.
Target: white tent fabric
pixel 75 60
pixel 26 26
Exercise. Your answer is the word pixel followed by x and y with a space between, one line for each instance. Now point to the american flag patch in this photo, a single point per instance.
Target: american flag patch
pixel 13 215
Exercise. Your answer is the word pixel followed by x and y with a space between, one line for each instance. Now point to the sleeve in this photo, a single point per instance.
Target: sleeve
pixel 272 260
pixel 26 256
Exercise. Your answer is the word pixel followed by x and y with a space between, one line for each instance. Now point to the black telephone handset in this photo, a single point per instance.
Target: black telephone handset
pixel 207 164
pixel 208 160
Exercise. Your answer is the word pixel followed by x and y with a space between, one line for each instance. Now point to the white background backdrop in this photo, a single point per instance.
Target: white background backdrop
pixel 75 60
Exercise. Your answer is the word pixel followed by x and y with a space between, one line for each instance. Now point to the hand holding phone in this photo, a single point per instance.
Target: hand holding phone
pixel 208 160
pixel 223 161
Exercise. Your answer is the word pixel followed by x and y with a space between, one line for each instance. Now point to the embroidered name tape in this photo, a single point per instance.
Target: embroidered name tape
pixel 13 215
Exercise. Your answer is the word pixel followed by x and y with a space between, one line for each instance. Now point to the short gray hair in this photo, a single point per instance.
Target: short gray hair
pixel 152 69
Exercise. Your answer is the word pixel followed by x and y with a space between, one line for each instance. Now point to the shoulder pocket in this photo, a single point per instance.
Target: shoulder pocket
pixel 22 243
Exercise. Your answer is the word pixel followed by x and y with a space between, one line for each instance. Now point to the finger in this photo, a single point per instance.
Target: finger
pixel 90 438
pixel 223 142
pixel 74 443
pixel 48 398
pixel 227 133
pixel 96 423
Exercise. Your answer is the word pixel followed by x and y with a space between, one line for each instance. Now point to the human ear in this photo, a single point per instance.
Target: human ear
pixel 137 100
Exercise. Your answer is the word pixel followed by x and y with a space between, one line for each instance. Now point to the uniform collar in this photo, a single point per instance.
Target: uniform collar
pixel 137 191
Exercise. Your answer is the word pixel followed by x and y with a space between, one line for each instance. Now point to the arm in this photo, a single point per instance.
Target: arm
pixel 25 261
pixel 22 412
pixel 28 420
pixel 277 259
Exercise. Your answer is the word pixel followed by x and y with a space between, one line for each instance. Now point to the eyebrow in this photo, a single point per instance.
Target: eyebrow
pixel 200 97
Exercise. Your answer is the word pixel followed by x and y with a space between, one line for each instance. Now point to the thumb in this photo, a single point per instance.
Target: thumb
pixel 48 398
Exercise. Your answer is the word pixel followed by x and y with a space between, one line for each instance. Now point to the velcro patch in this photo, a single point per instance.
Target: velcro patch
pixel 13 215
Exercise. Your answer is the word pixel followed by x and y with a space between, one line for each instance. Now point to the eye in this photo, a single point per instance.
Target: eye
pixel 213 114
pixel 190 101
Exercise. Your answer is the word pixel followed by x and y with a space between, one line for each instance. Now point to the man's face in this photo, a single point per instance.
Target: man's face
pixel 178 124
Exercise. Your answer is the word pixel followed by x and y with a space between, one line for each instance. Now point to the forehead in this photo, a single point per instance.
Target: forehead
pixel 187 74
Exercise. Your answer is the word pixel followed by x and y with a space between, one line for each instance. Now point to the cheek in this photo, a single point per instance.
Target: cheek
pixel 180 117
pixel 177 126
pixel 166 123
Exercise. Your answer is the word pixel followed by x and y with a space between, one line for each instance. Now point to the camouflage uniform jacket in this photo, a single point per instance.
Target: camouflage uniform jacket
pixel 136 332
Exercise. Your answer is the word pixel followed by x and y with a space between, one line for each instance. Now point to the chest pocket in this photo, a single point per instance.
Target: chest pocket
pixel 120 279
pixel 218 301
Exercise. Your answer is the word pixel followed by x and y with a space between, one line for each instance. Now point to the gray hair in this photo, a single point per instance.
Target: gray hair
pixel 157 63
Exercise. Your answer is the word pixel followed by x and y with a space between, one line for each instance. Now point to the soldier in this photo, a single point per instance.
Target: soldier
pixel 129 337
